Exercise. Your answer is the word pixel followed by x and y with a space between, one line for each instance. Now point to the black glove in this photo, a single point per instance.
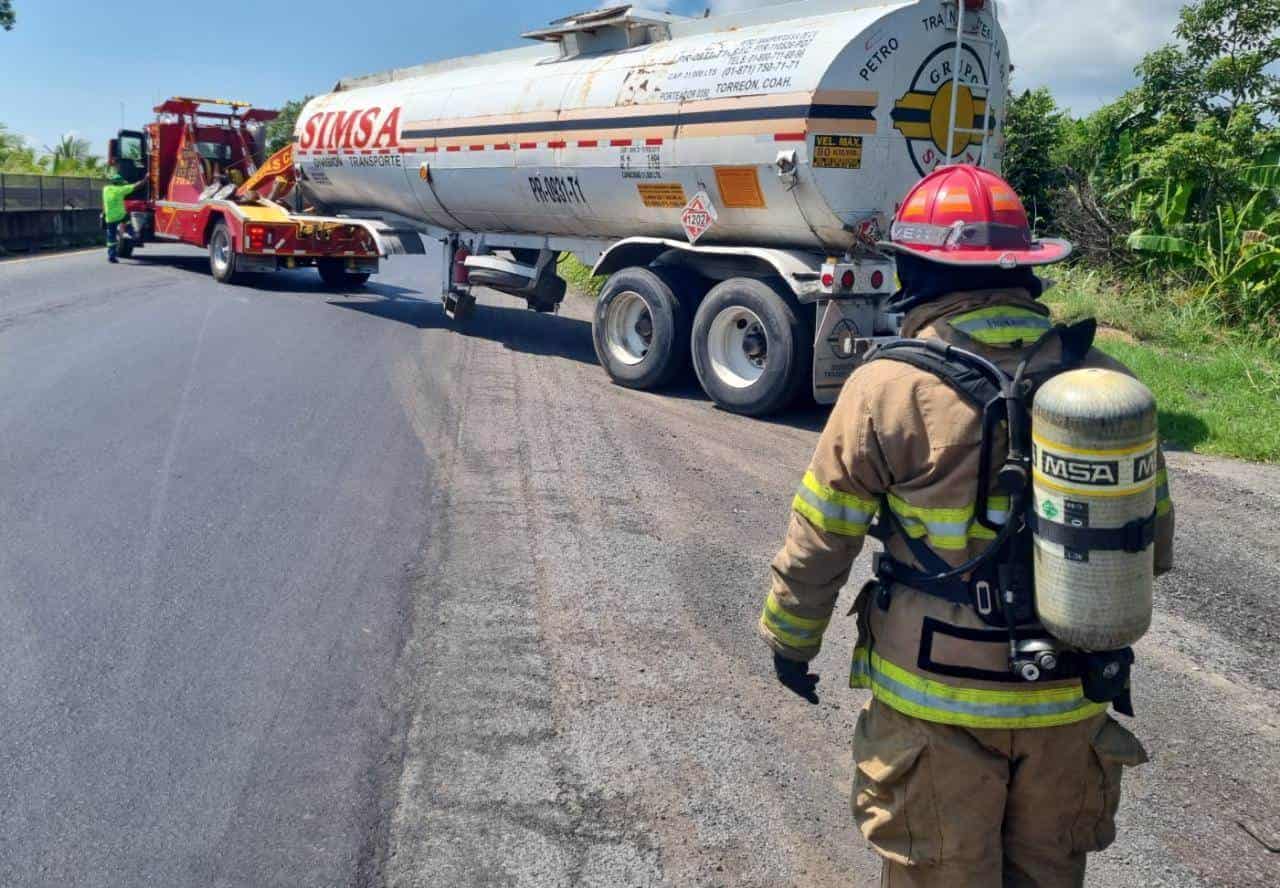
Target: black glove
pixel 795 677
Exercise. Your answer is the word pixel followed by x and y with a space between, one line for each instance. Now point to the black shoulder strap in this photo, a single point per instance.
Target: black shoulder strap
pixel 1075 341
pixel 930 355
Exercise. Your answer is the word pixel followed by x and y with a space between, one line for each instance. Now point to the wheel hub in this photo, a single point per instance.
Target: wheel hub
pixel 737 346
pixel 628 328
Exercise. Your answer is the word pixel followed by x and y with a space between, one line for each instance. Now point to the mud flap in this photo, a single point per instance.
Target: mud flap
pixel 843 336
pixel 397 241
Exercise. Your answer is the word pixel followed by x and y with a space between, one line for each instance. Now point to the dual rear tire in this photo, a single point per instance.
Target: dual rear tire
pixel 335 275
pixel 747 340
pixel 752 349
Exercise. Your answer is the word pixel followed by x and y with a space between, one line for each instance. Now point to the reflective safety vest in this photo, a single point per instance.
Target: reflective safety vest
pixel 901 438
pixel 113 209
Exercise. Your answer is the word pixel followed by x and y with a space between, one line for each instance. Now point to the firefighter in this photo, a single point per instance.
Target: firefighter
pixel 966 774
pixel 113 211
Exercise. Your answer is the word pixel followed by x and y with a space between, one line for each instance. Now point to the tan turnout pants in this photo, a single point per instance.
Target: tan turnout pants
pixel 978 808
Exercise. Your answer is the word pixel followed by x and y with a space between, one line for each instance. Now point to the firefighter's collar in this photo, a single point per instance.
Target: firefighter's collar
pixel 935 310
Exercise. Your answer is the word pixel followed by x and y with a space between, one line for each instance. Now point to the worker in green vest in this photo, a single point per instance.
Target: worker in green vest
pixel 113 211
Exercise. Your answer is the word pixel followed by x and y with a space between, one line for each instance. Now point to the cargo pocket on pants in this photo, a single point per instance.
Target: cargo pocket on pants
pixel 893 799
pixel 1111 750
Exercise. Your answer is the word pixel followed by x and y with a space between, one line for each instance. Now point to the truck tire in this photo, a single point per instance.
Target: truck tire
pixel 336 276
pixel 641 329
pixel 124 247
pixel 222 254
pixel 752 348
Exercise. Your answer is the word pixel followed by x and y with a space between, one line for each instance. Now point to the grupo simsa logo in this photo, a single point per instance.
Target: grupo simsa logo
pixel 923 115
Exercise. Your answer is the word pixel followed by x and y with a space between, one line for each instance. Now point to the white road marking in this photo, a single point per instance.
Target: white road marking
pixel 56 255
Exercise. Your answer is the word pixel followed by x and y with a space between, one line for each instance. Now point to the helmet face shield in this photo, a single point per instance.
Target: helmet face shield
pixel 965 215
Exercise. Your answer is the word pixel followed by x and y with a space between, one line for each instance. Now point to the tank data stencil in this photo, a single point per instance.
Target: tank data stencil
pixel 736 67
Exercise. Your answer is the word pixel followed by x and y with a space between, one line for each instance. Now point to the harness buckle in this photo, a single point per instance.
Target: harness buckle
pixel 983 601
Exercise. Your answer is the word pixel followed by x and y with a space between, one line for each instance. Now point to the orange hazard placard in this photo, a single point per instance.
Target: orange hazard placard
pixel 662 195
pixel 740 188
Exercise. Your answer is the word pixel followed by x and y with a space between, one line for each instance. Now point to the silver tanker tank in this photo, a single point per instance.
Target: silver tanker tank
pixel 800 122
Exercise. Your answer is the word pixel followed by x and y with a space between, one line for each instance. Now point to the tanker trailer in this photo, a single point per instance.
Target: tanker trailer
pixel 730 174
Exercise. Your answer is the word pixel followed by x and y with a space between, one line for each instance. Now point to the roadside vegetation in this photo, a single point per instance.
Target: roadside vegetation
pixel 1171 195
pixel 578 276
pixel 72 156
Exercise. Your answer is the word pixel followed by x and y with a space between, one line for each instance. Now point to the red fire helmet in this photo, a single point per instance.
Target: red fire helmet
pixel 966 215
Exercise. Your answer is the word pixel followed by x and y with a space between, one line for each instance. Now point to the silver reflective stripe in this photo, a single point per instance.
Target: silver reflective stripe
pixel 833 511
pixel 955 530
pixel 1026 321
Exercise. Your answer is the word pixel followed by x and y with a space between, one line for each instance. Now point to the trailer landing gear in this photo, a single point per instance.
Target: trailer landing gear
pixel 458 303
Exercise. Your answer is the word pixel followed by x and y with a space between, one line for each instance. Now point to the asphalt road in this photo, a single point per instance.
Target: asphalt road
pixel 305 590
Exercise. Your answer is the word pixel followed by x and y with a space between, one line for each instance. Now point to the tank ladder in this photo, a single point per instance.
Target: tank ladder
pixel 978 92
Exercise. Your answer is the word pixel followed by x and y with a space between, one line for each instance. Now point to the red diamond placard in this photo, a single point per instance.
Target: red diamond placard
pixel 698 216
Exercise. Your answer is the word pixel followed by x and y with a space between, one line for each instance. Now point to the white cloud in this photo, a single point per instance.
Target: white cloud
pixel 1083 50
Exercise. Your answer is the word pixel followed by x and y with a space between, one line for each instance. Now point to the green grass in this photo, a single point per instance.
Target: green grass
pixel 578 276
pixel 1218 391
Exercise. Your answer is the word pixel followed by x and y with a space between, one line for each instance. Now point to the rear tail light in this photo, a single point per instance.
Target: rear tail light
pixel 847 280
pixel 256 237
pixel 877 280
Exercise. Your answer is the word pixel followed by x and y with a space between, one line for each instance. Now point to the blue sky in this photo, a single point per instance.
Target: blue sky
pixel 70 64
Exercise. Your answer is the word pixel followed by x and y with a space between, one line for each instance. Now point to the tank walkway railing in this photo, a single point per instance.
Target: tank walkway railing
pixel 23 192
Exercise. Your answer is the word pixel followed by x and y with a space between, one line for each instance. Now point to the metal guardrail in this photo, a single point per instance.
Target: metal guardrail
pixel 22 192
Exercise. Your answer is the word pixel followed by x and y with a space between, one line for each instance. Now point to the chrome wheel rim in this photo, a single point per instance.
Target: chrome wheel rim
pixel 737 347
pixel 221 251
pixel 628 328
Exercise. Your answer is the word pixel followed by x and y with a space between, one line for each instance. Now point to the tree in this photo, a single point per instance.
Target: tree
pixel 70 156
pixel 280 130
pixel 7 16
pixel 1033 131
pixel 1234 45
pixel 16 156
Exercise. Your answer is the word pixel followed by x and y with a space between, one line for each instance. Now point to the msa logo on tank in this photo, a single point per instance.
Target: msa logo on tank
pixel 923 114
pixel 1094 472
pixel 1080 471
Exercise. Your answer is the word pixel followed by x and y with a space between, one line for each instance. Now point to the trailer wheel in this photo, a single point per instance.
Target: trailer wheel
pixel 641 329
pixel 752 349
pixel 124 247
pixel 222 254
pixel 335 275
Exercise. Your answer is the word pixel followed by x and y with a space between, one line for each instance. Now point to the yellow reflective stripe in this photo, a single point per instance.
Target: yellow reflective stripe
pixel 1002 325
pixel 996 311
pixel 839 497
pixel 934 701
pixel 1163 502
pixel 832 510
pixel 822 522
pixel 1043 480
pixel 948 528
pixel 793 631
pixel 1122 451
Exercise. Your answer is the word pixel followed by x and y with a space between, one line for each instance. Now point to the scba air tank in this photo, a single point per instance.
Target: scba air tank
pixel 1095 452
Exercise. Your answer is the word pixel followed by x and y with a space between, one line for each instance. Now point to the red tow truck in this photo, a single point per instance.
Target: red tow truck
pixel 209 184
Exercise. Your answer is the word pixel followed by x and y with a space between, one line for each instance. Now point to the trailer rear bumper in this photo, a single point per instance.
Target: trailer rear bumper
pixel 260 262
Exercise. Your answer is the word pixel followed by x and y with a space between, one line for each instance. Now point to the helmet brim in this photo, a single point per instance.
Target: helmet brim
pixel 1045 251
